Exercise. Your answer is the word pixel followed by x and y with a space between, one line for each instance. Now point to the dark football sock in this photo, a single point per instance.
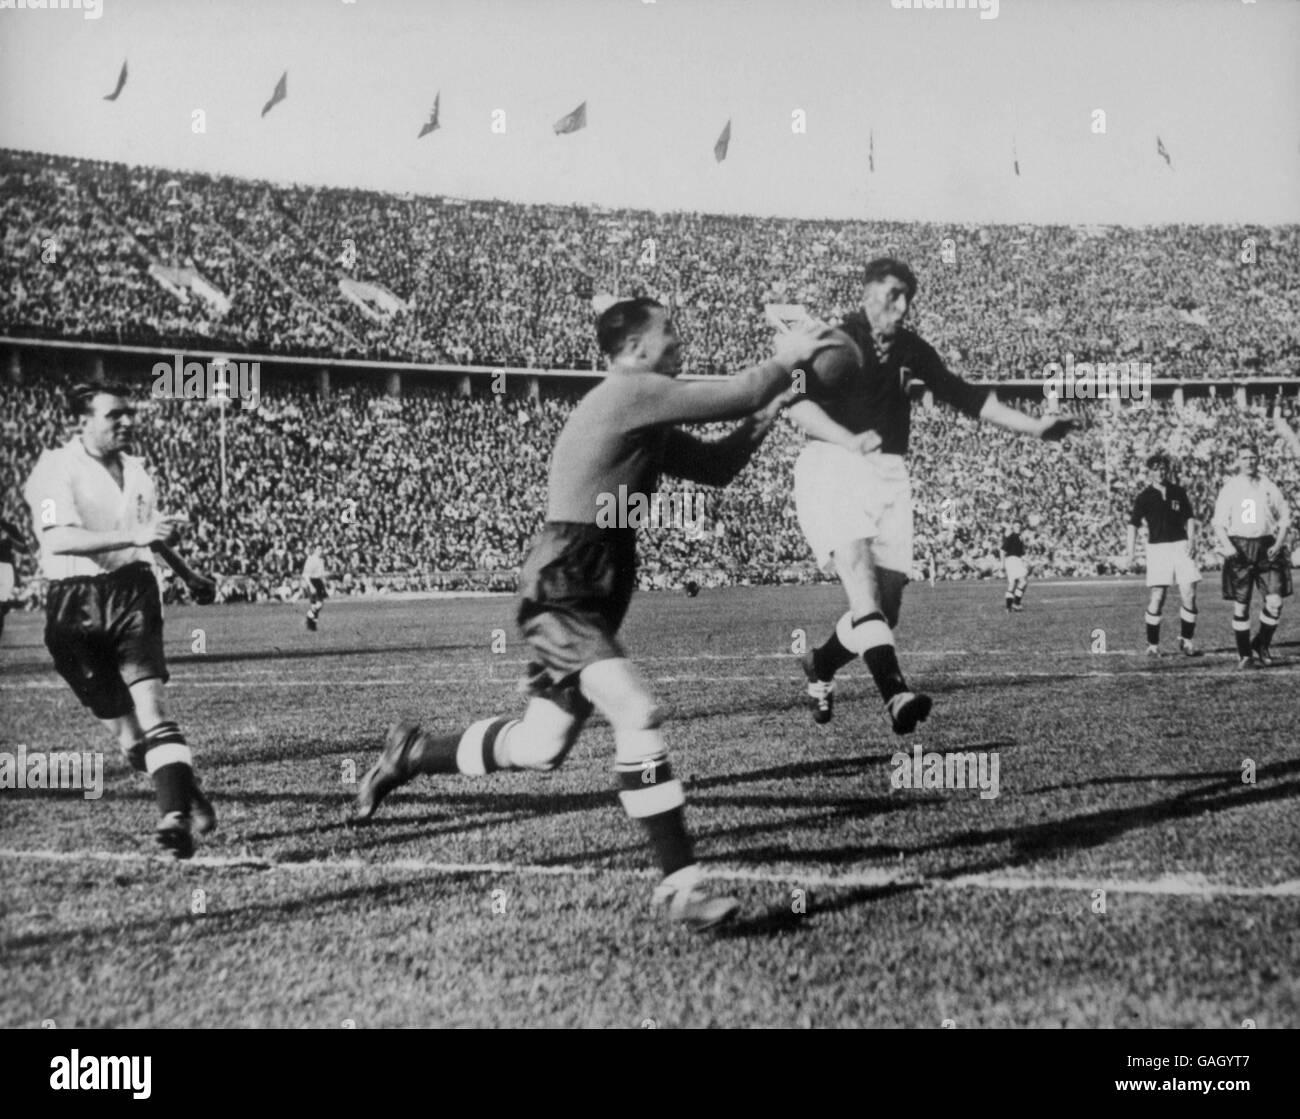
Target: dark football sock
pixel 1010 599
pixel 882 661
pixel 1019 596
pixel 442 753
pixel 829 657
pixel 1268 623
pixel 1241 631
pixel 1153 628
pixel 167 758
pixel 1187 620
pixel 651 794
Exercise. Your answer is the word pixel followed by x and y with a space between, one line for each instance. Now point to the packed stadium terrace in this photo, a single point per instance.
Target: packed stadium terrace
pixel 494 283
pixel 443 492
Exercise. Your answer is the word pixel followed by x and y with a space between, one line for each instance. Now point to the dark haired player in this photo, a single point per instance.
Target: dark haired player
pixel 1171 526
pixel 1251 520
pixel 11 541
pixel 851 487
pixel 1013 563
pixel 577 582
pixel 93 511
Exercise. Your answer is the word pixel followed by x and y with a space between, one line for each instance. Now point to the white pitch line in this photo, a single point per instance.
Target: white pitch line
pixel 1170 885
pixel 228 681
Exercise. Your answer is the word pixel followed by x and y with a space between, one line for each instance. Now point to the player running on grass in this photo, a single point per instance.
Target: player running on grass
pixel 577 582
pixel 93 511
pixel 851 488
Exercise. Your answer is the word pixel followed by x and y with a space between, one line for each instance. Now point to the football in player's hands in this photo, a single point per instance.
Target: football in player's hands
pixel 203 590
pixel 1058 428
pixel 833 369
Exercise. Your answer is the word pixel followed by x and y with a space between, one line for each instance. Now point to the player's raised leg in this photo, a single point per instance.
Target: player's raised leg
pixel 539 740
pixel 866 631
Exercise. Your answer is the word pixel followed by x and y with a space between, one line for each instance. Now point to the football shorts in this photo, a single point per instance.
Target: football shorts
pixel 574 591
pixel 1016 568
pixel 1251 567
pixel 841 497
pixel 1171 563
pixel 105 633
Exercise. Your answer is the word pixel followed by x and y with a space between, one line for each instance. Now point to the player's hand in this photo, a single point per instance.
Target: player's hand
pixel 760 423
pixel 162 530
pixel 202 588
pixel 802 343
pixel 1052 429
pixel 865 443
pixel 1275 551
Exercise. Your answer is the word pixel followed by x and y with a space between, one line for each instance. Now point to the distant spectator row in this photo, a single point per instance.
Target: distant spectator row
pixel 439 491
pixel 497 283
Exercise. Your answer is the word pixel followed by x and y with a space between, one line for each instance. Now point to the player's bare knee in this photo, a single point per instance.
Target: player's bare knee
pixel 1273 602
pixel 619 693
pixel 542 739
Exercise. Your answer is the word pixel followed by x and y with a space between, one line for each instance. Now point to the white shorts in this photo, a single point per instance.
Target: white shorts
pixel 6 581
pixel 841 497
pixel 1017 569
pixel 1171 563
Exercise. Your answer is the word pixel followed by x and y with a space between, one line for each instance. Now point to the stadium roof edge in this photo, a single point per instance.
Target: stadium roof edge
pixel 368 365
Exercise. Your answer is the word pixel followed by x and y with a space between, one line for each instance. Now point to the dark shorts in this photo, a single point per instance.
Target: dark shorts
pixel 574 591
pixel 105 633
pixel 318 591
pixel 1251 567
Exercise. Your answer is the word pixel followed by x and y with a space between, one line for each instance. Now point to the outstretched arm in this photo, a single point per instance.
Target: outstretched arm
pixel 669 401
pixel 1050 428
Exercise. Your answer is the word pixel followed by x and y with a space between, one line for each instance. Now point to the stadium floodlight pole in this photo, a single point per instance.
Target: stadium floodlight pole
pixel 221 398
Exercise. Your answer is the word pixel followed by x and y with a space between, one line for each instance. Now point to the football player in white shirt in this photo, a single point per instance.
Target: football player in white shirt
pixel 313 577
pixel 93 512
pixel 1251 520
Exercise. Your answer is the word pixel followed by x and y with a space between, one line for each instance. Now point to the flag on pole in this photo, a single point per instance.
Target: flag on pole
pixel 871 152
pixel 431 125
pixel 1162 151
pixel 724 141
pixel 281 92
pixel 121 81
pixel 571 122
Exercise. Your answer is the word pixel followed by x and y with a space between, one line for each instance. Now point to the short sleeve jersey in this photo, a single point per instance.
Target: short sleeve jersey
pixel 68 487
pixel 1166 514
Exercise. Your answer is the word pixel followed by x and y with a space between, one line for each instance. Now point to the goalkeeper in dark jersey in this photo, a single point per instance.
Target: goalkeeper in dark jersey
pixel 577 582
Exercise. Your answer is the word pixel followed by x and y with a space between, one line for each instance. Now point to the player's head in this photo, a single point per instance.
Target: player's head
pixel 639 333
pixel 105 416
pixel 889 286
pixel 1248 460
pixel 1160 467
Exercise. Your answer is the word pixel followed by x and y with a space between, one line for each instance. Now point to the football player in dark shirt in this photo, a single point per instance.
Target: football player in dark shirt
pixel 1013 562
pixel 11 540
pixel 851 486
pixel 577 582
pixel 1171 525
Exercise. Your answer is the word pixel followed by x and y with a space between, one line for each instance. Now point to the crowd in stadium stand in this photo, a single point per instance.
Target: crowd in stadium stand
pixel 494 283
pixel 438 491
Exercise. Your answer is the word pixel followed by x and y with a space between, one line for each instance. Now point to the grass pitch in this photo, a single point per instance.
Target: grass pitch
pixel 523 899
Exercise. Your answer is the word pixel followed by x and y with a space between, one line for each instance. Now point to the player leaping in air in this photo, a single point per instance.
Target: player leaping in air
pixel 577 582
pixel 851 488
